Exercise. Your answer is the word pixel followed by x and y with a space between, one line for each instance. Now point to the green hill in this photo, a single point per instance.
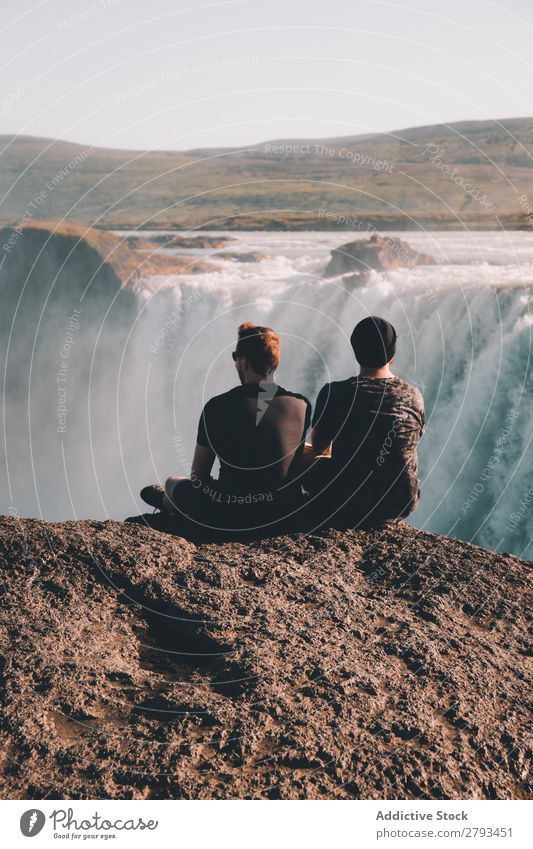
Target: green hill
pixel 474 174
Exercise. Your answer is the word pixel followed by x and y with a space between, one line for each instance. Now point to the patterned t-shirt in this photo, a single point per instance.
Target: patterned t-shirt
pixel 375 425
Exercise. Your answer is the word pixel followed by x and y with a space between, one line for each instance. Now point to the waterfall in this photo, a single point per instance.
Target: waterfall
pixel 136 387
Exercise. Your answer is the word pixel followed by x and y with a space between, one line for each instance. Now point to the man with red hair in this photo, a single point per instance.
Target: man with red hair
pixel 257 432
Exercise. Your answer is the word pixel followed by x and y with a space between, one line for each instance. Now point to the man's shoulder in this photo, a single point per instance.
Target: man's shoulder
pixel 398 387
pixel 338 388
pixel 407 390
pixel 247 390
pixel 286 393
pixel 224 398
pixel 333 399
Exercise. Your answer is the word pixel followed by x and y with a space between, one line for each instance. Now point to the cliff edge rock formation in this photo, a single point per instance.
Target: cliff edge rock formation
pixel 54 252
pixel 379 253
pixel 71 297
pixel 365 664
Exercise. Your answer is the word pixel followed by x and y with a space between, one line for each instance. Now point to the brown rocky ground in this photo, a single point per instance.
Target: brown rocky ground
pixel 365 664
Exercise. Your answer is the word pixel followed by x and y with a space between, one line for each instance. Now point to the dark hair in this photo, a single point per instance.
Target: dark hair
pixel 373 341
pixel 261 346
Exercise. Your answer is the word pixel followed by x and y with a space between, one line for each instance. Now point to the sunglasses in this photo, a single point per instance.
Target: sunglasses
pixel 235 356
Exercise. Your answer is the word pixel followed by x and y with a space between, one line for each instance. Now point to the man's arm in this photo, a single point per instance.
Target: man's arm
pixel 321 436
pixel 320 442
pixel 202 462
pixel 204 454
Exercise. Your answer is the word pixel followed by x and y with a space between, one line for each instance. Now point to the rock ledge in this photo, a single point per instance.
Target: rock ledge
pixel 382 664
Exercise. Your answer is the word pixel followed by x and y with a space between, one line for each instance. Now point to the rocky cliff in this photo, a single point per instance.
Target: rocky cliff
pixel 69 341
pixel 365 664
pixel 50 250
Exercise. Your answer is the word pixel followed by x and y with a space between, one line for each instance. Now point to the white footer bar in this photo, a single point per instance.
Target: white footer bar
pixel 268 824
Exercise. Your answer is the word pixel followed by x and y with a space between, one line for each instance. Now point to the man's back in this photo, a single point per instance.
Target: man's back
pixel 257 430
pixel 375 425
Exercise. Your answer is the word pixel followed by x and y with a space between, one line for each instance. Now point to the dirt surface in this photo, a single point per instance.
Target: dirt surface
pixel 363 664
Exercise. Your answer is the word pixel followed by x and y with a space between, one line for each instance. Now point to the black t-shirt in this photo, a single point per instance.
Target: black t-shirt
pixel 257 431
pixel 375 425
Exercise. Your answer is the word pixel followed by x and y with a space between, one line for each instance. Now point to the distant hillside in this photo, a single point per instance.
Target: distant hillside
pixel 474 174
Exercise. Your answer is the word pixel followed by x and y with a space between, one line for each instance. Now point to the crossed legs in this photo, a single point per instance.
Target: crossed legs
pixel 168 499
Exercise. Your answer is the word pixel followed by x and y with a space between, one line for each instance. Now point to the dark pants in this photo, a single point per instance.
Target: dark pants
pixel 338 500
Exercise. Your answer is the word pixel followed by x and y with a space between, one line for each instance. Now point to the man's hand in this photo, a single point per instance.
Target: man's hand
pixel 320 444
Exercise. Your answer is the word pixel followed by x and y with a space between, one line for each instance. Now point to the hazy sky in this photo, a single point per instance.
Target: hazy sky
pixel 187 73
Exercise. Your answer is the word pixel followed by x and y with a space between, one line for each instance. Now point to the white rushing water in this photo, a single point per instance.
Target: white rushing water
pixel 465 332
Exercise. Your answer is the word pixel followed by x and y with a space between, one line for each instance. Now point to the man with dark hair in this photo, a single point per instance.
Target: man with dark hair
pixel 370 425
pixel 257 432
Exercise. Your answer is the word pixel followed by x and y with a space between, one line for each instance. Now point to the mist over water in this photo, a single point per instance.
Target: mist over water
pixel 137 383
